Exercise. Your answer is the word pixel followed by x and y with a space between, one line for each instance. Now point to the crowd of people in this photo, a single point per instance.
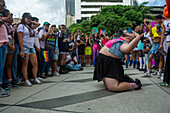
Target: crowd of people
pixel 30 53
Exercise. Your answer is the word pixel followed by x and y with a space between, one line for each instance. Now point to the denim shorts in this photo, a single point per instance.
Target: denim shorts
pixel 29 50
pixel 154 48
pixel 8 49
pixel 55 56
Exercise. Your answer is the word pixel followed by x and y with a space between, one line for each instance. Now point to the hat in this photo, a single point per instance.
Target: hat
pixel 46 23
pixel 27 15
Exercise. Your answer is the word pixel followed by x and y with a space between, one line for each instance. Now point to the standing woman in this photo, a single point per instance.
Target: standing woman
pixel 109 67
pixel 3 46
pixel 140 49
pixel 135 51
pixel 64 50
pixel 96 47
pixel 26 42
pixel 88 50
pixel 10 48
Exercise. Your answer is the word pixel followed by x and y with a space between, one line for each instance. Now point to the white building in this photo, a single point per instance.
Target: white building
pixel 84 9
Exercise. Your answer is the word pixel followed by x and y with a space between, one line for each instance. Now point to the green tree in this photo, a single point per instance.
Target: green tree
pixel 113 17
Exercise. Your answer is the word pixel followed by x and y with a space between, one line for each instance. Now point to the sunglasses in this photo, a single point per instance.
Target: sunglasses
pixel 3 5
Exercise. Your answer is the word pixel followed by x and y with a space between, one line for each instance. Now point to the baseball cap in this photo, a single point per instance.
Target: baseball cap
pixel 46 23
pixel 27 15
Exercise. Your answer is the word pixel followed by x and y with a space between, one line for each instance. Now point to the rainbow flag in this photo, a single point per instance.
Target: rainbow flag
pixel 45 56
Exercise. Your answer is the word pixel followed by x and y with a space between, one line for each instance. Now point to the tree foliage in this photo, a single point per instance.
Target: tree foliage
pixel 113 17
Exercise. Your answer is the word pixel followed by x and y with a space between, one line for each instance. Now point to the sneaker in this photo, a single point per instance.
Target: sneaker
pixel 138 82
pixel 159 75
pixel 164 85
pixel 162 77
pixel 14 85
pixel 37 81
pixel 4 93
pixel 55 73
pixel 155 73
pixel 147 74
pixel 28 83
pixel 43 76
pixel 49 75
pixel 40 78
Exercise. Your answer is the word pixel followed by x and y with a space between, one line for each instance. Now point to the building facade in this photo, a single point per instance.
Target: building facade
pixel 84 9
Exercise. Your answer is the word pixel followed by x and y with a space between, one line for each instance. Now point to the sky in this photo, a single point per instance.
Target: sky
pixel 50 10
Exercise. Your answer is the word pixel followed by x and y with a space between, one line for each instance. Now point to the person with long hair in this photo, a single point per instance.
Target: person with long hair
pixel 7 77
pixel 88 50
pixel 109 67
pixel 155 33
pixel 28 53
pixel 96 46
pixel 3 46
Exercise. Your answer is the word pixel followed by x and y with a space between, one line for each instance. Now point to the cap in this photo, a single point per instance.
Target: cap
pixel 46 23
pixel 27 15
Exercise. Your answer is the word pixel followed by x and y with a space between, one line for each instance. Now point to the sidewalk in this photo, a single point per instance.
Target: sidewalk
pixel 76 92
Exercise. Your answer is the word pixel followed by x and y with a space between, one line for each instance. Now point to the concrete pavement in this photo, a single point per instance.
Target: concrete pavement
pixel 76 92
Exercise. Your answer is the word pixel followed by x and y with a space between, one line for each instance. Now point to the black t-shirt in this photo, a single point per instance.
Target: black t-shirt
pixel 63 46
pixel 82 46
pixel 88 44
pixel 142 38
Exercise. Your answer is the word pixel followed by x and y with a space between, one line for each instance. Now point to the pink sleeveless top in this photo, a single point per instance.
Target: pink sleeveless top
pixel 111 42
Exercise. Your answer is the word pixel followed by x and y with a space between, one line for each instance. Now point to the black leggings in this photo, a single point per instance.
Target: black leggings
pixel 167 67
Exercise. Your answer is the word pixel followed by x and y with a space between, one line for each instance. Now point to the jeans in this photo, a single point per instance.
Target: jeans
pixel 3 50
pixel 167 67
pixel 71 67
pixel 45 65
pixel 14 65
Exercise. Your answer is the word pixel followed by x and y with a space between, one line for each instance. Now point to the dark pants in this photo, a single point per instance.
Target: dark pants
pixel 45 65
pixel 167 68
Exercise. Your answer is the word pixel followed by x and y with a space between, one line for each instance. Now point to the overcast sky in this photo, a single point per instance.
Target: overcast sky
pixel 50 10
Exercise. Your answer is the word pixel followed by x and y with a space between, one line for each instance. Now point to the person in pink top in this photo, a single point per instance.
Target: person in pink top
pixel 109 68
pixel 3 46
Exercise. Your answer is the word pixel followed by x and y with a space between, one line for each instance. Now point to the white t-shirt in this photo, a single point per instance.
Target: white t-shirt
pixel 167 28
pixel 69 58
pixel 42 43
pixel 36 39
pixel 148 36
pixel 27 40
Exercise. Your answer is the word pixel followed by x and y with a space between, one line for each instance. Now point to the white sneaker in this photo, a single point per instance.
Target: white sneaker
pixel 40 78
pixel 159 74
pixel 37 81
pixel 56 73
pixel 162 77
pixel 147 74
pixel 28 83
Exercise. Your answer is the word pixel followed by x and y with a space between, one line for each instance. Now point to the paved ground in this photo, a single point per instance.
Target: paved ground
pixel 77 93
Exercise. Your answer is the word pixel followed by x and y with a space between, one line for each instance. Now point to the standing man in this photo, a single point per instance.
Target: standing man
pixel 63 48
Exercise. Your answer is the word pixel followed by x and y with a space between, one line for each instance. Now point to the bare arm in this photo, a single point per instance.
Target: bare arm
pixel 146 23
pixel 163 35
pixel 36 23
pixel 20 35
pixel 126 48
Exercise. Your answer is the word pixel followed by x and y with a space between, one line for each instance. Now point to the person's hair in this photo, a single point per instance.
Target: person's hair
pixel 120 32
pixel 14 24
pixel 53 26
pixel 35 19
pixel 23 21
pixel 5 12
pixel 158 17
